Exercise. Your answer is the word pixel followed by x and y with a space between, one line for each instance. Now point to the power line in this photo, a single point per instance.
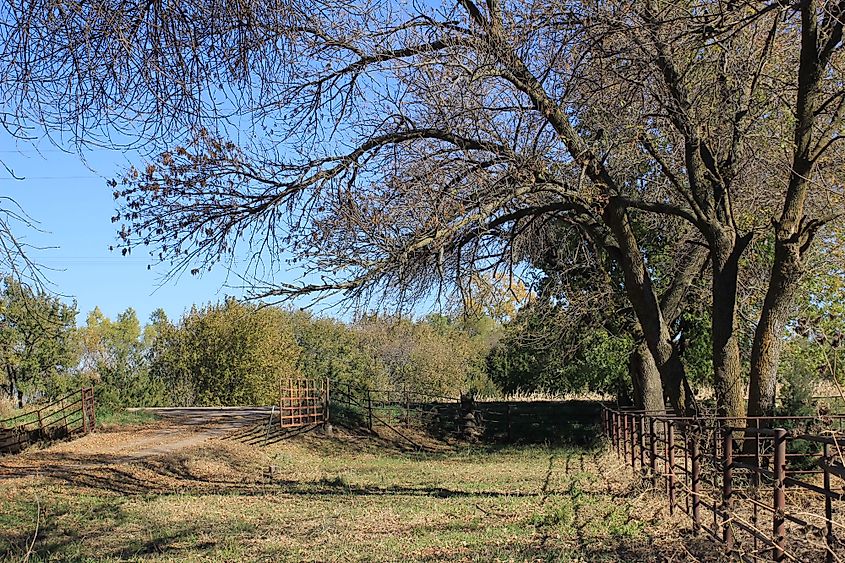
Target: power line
pixel 24 178
pixel 32 151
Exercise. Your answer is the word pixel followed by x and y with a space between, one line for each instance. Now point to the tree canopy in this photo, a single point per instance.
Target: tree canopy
pixel 396 152
pixel 37 346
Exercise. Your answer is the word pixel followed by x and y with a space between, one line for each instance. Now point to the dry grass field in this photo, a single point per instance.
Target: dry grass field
pixel 127 493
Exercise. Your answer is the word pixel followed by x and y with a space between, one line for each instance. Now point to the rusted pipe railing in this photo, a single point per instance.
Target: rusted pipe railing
pixel 727 489
pixel 725 468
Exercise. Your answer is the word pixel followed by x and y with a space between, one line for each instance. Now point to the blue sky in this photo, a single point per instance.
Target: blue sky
pixel 74 206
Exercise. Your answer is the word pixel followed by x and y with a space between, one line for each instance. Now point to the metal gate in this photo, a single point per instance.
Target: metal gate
pixel 66 417
pixel 303 402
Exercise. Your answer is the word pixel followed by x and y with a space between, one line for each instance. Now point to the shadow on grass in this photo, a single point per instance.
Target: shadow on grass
pixel 169 475
pixel 55 543
pixel 208 542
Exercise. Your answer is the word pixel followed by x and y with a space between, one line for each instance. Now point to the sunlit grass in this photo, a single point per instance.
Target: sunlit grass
pixel 122 417
pixel 330 499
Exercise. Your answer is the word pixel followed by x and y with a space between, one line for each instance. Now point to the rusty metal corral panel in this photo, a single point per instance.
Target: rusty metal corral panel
pixel 71 415
pixel 303 402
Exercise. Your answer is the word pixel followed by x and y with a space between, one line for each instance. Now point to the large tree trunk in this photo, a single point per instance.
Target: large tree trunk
pixel 793 232
pixel 648 388
pixel 725 251
pixel 641 293
pixel 768 337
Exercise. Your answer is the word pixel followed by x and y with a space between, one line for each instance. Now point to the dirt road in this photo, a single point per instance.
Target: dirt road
pixel 176 430
pixel 179 428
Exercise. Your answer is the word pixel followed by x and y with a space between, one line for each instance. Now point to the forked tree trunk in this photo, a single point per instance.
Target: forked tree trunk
pixel 641 294
pixel 794 233
pixel 726 249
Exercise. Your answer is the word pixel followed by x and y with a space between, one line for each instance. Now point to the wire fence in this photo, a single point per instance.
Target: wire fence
pixel 394 409
pixel 767 488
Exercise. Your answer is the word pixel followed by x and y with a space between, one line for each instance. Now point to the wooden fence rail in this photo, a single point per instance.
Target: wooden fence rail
pixel 71 415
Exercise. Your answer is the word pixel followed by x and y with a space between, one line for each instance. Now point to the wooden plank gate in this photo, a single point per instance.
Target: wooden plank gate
pixel 303 402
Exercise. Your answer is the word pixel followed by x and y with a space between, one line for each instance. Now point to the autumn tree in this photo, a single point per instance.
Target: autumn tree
pixel 114 357
pixel 400 150
pixel 227 353
pixel 332 349
pixel 436 355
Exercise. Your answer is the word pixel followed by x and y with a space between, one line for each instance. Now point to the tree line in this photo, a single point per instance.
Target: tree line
pixel 236 353
pixel 228 353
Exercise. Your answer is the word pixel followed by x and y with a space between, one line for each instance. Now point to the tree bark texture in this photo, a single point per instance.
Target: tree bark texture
pixel 794 233
pixel 726 250
pixel 641 293
pixel 768 337
pixel 648 387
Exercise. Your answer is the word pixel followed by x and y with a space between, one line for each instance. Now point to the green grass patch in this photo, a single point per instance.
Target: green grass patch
pixel 330 499
pixel 123 417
